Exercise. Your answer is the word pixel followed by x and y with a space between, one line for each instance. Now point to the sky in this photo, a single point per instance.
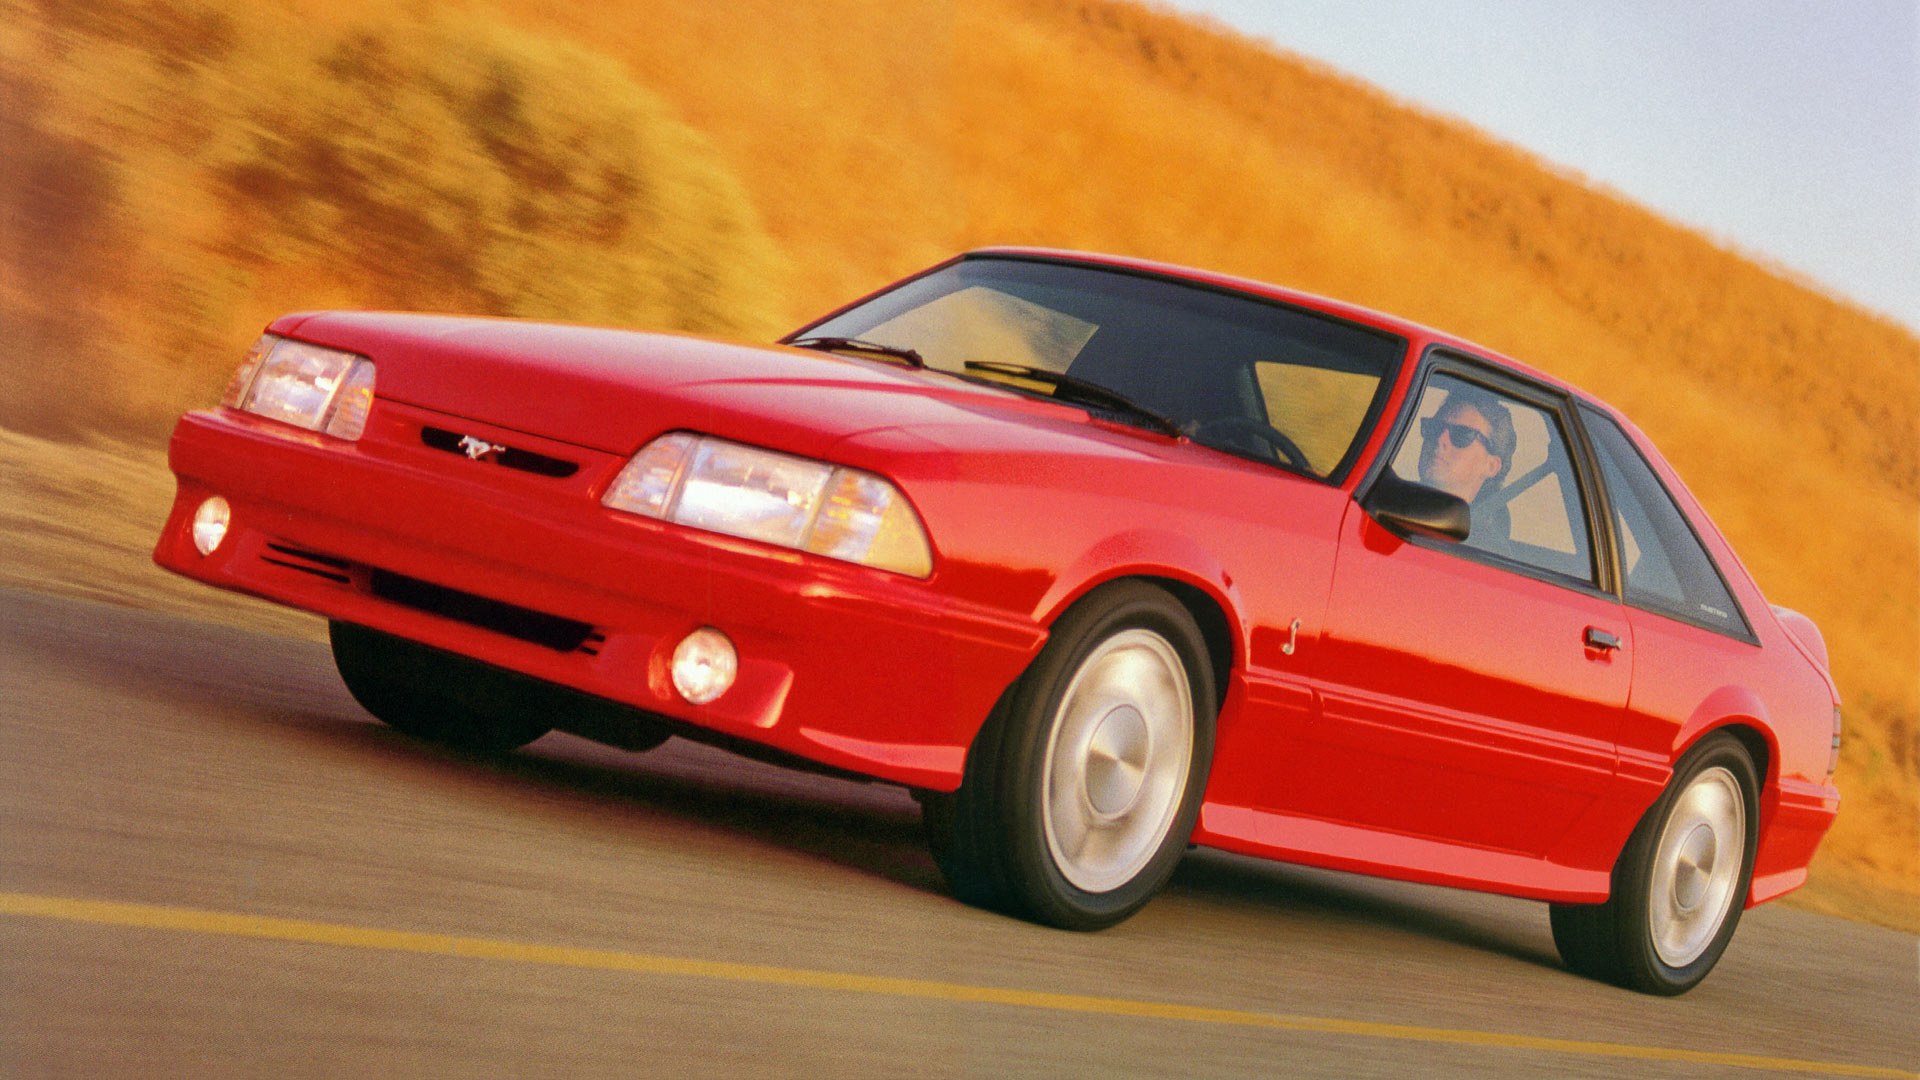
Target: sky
pixel 1788 130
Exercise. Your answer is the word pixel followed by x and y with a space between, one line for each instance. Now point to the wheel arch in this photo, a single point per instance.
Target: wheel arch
pixel 1737 711
pixel 1215 629
pixel 1175 564
pixel 1210 606
pixel 1757 738
pixel 993 837
pixel 1758 748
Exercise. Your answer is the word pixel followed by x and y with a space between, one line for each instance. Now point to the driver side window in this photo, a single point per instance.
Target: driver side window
pixel 1508 459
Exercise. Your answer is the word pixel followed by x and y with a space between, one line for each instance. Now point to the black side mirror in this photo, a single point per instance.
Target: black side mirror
pixel 1407 507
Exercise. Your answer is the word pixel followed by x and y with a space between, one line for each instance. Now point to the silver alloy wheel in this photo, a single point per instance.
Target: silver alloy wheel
pixel 1696 866
pixel 1117 759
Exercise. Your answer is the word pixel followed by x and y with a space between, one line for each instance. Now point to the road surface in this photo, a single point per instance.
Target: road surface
pixel 213 863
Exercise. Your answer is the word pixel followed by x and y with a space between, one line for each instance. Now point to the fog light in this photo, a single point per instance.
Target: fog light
pixel 210 524
pixel 704 665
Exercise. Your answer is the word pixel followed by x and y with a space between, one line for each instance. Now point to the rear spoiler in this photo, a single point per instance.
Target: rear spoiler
pixel 1803 631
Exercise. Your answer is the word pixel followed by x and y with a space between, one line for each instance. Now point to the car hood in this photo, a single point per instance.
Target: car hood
pixel 612 390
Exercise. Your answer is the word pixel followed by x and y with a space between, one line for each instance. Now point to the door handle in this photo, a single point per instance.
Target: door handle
pixel 1601 640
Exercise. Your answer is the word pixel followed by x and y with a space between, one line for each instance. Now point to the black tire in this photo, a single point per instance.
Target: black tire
pixel 1671 916
pixel 1050 822
pixel 436 695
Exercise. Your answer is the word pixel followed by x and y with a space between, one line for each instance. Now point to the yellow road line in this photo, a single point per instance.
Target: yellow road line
pixel 231 924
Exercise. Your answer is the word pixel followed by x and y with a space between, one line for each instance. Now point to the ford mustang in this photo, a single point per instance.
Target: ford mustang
pixel 1098 557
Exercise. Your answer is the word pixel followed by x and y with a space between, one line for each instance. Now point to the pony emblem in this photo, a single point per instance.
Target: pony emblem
pixel 478 449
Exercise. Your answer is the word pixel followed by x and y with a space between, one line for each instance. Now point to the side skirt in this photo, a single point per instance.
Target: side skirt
pixel 1312 842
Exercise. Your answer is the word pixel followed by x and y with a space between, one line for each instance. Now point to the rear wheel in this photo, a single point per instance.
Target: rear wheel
pixel 1084 784
pixel 1680 884
pixel 436 695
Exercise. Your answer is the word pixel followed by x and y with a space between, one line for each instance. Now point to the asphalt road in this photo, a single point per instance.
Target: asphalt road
pixel 213 863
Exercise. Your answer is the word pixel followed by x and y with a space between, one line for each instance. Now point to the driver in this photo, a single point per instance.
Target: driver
pixel 1468 444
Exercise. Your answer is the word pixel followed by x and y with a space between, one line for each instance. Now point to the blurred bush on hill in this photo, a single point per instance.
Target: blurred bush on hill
pixel 180 172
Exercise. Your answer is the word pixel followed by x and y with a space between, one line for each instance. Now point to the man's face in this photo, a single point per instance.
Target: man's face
pixel 1456 469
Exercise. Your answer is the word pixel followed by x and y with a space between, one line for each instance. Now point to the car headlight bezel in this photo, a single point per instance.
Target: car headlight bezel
pixel 312 387
pixel 737 489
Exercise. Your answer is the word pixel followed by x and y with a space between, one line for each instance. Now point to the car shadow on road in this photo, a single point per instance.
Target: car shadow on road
pixel 870 828
pixel 1475 920
pixel 874 829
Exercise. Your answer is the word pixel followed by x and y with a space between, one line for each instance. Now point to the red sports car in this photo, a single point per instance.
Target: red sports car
pixel 1098 557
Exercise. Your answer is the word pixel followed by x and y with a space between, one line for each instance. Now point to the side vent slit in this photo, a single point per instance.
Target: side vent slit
pixel 553 631
pixel 307 562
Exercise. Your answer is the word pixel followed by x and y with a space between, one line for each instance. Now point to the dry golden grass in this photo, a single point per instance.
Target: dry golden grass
pixel 862 141
pixel 182 170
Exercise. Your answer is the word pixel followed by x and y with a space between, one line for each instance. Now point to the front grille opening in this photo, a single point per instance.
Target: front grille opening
pixel 538 627
pixel 511 457
pixel 308 562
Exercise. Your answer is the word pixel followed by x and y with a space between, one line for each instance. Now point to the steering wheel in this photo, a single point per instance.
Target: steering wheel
pixel 1222 426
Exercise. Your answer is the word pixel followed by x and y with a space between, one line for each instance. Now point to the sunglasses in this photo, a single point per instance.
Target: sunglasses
pixel 1461 435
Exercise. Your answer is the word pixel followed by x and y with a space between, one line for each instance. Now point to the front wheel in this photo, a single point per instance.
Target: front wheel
pixel 1084 784
pixel 440 696
pixel 1680 883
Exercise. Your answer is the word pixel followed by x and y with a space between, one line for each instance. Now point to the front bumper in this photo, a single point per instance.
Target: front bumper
pixel 855 668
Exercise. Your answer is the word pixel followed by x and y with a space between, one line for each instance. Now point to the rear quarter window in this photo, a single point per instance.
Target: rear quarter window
pixel 1666 568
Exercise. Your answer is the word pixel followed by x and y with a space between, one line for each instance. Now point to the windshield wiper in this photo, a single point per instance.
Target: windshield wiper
pixel 857 345
pixel 1080 392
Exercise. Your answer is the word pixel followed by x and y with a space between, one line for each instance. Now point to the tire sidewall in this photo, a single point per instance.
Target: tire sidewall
pixel 1633 883
pixel 432 694
pixel 1030 717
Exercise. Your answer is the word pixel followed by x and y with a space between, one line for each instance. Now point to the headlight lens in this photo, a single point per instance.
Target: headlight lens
pixel 308 386
pixel 776 498
pixel 243 379
pixel 736 489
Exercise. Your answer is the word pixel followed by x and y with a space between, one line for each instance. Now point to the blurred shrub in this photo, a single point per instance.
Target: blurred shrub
pixel 57 197
pixel 176 173
pixel 457 163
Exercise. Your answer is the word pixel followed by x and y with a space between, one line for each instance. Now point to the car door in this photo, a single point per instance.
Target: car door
pixel 1471 692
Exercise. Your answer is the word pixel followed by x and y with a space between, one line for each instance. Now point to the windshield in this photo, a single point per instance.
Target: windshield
pixel 1241 374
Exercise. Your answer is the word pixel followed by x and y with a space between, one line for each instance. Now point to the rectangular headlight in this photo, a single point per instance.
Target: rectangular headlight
pixel 753 493
pixel 308 386
pixel 776 498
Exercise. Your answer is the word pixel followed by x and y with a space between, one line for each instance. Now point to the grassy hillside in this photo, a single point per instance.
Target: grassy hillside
pixel 186 169
pixel 177 172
